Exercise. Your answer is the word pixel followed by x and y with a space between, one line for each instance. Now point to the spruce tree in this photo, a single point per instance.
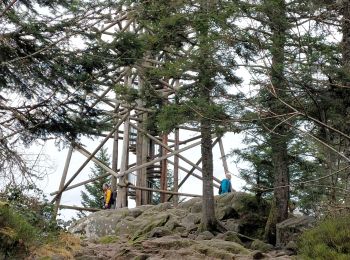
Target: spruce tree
pixel 93 196
pixel 41 84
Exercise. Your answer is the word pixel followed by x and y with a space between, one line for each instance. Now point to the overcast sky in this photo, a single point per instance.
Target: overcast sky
pixel 57 159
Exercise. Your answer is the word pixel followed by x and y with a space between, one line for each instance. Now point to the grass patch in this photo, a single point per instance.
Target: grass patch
pixel 329 240
pixel 108 239
pixel 64 246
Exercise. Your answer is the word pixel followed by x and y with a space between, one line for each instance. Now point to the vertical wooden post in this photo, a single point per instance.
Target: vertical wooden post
pixel 144 159
pixel 63 179
pixel 141 158
pixel 139 139
pixel 223 156
pixel 151 153
pixel 176 167
pixel 164 171
pixel 115 153
pixel 122 197
pixel 142 153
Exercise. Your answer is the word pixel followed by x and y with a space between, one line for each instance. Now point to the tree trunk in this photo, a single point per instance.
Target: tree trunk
pixel 346 67
pixel 209 221
pixel 345 12
pixel 115 153
pixel 281 179
pixel 276 10
pixel 122 197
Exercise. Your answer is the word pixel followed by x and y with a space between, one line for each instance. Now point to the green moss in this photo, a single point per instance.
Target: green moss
pixel 329 240
pixel 108 239
pixel 158 222
pixel 213 252
pixel 261 246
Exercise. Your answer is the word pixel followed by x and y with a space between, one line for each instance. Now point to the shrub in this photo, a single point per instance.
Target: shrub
pixel 33 206
pixel 16 234
pixel 329 240
pixel 25 221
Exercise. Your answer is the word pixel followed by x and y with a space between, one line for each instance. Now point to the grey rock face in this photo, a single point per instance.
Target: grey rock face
pixel 157 221
pixel 290 229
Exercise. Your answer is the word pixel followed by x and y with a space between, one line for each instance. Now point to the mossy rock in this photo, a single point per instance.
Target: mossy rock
pixel 187 205
pixel 213 252
pixel 191 220
pixel 231 225
pixel 261 246
pixel 227 212
pixel 126 227
pixel 206 235
pixel 100 224
pixel 172 223
pixel 159 232
pixel 149 224
pixel 231 247
pixel 160 207
pixel 108 239
pixel 168 242
pixel 229 236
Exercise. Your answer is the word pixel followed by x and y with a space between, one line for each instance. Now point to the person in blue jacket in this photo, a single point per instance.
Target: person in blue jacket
pixel 225 186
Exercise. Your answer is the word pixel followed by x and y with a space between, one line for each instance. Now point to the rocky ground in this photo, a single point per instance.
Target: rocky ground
pixel 164 232
pixel 173 247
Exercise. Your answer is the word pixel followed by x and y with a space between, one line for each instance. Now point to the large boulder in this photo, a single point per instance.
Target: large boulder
pixel 238 212
pixel 290 229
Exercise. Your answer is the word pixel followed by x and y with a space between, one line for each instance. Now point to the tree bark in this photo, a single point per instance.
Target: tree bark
pixel 115 153
pixel 164 170
pixel 276 11
pixel 206 85
pixel 122 197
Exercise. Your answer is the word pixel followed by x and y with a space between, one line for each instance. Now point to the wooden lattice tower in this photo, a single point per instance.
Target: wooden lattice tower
pixel 152 151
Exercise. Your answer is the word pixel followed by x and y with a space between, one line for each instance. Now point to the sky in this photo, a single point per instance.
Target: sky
pixel 56 159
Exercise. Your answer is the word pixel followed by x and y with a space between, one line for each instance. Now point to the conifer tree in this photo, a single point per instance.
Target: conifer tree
pixel 207 70
pixel 93 196
pixel 40 87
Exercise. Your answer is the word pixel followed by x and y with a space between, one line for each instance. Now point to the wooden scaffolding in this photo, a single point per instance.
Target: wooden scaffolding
pixel 152 151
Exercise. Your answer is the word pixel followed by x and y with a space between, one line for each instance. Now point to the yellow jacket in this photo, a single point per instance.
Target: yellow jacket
pixel 108 195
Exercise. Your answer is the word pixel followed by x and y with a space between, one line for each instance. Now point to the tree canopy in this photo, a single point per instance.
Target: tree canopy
pixel 275 70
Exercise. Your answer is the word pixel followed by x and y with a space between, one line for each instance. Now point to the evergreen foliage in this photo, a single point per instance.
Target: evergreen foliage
pixel 296 119
pixel 156 185
pixel 93 196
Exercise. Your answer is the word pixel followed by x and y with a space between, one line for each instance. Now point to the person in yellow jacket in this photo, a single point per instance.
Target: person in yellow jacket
pixel 107 196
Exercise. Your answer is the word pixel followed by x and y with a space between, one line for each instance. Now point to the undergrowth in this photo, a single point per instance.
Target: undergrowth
pixel 26 222
pixel 329 240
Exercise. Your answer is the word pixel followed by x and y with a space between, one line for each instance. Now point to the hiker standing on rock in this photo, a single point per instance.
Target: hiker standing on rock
pixel 107 195
pixel 225 186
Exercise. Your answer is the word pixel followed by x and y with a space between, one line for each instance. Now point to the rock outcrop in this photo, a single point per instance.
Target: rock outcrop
pixel 165 232
pixel 238 212
pixel 290 229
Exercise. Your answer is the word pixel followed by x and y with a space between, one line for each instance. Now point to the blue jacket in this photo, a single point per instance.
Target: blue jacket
pixel 225 186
